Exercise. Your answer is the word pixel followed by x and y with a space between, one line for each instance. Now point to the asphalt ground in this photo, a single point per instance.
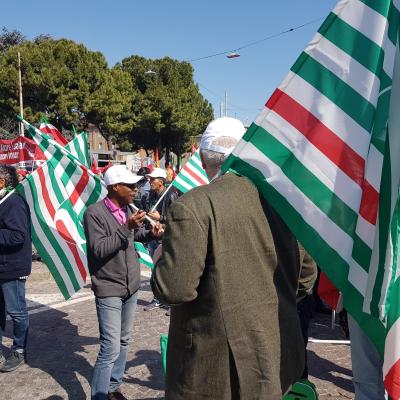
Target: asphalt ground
pixel 63 345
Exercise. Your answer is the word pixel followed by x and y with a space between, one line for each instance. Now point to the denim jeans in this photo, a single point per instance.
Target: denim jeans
pixel 367 365
pixel 115 316
pixel 13 303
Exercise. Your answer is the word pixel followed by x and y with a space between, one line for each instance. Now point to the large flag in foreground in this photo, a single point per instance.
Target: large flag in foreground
pixel 58 194
pixel 325 151
pixel 191 175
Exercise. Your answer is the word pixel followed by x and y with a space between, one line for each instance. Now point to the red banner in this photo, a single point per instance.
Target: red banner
pixel 21 153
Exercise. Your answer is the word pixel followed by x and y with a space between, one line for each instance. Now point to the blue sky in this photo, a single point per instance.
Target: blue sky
pixel 186 30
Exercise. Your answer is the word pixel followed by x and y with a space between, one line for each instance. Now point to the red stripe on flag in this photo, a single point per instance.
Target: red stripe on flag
pixel 63 231
pixel 45 194
pixel 369 203
pixel 54 133
pixel 194 175
pixel 334 148
pixel 392 381
pixel 80 187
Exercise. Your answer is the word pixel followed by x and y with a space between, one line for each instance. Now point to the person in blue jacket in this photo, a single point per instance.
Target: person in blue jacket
pixel 15 266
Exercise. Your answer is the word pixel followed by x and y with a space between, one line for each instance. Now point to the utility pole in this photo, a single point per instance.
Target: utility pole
pixel 21 105
pixel 221 109
pixel 226 103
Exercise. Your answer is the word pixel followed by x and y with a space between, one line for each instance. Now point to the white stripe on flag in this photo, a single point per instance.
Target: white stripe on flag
pixel 362 18
pixel 314 160
pixel 328 113
pixel 46 243
pixel 335 237
pixel 363 81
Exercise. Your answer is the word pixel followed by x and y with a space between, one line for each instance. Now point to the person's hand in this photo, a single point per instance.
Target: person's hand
pixel 136 220
pixel 154 215
pixel 157 254
pixel 158 230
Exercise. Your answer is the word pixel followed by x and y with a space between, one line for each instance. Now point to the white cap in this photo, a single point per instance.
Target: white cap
pixel 157 173
pixel 120 174
pixel 225 126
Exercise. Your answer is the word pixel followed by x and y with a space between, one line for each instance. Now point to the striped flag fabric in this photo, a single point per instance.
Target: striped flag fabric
pixel 191 175
pixel 144 255
pixel 58 193
pixel 79 148
pixel 325 152
pixel 52 131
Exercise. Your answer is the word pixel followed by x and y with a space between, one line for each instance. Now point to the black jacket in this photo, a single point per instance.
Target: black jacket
pixel 164 204
pixel 15 238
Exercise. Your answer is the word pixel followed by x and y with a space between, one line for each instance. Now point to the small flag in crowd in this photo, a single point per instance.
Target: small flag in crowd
pixel 191 175
pixel 52 131
pixel 58 194
pixel 325 153
pixel 144 255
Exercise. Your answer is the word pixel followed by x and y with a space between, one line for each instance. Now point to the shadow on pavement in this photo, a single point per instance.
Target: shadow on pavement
pixel 152 360
pixel 54 346
pixel 328 371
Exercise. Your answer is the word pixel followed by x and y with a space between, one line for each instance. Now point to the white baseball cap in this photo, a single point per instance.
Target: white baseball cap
pixel 157 173
pixel 225 126
pixel 120 174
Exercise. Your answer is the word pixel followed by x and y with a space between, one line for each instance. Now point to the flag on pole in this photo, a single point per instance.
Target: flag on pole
pixel 191 175
pixel 144 255
pixel 325 153
pixel 58 194
pixel 52 131
pixel 79 148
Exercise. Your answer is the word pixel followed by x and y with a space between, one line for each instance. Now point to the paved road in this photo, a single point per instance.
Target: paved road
pixel 63 346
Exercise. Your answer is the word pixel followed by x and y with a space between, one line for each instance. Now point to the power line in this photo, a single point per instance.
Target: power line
pixel 258 41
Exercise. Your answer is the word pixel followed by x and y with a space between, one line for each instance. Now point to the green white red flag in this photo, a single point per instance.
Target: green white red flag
pixel 191 175
pixel 325 153
pixel 58 193
pixel 52 131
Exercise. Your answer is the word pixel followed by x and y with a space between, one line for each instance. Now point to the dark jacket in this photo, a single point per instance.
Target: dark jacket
pixel 164 204
pixel 231 268
pixel 112 259
pixel 15 238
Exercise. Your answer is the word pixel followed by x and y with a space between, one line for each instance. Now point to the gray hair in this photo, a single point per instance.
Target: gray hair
pixel 9 174
pixel 214 160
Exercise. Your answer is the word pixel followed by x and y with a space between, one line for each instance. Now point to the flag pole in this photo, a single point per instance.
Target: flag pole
pixel 152 222
pixel 163 195
pixel 21 105
pixel 7 196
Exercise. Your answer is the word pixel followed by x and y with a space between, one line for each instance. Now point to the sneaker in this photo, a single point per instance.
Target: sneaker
pixel 2 360
pixel 117 395
pixel 13 361
pixel 154 304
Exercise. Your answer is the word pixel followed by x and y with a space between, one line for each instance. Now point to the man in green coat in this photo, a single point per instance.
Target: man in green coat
pixel 230 269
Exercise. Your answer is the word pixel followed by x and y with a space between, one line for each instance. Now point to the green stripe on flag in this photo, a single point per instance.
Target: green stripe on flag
pixel 306 181
pixel 352 42
pixel 335 89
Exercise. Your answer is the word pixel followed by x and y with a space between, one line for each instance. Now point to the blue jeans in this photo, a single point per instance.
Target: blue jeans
pixel 367 365
pixel 115 315
pixel 13 303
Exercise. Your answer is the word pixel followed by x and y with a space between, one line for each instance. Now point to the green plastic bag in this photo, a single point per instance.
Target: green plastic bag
pixel 302 390
pixel 163 347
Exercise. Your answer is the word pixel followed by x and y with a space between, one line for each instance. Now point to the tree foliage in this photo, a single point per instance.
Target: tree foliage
pixel 171 108
pixel 73 85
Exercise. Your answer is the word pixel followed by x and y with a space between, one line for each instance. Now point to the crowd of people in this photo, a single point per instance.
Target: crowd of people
pixel 236 280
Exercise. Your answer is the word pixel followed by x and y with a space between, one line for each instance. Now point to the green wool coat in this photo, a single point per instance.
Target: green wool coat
pixel 230 269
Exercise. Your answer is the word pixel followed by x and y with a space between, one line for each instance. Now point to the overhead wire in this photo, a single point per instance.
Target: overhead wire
pixel 275 35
